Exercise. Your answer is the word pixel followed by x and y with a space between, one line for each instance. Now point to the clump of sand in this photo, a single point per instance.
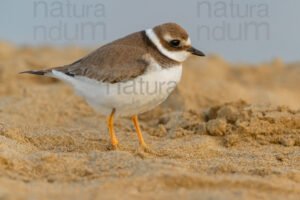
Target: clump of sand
pixel 227 132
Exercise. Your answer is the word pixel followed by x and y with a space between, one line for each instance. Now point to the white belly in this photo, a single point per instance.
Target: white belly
pixel 128 98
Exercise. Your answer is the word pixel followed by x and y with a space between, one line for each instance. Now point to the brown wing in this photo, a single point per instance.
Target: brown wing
pixel 110 63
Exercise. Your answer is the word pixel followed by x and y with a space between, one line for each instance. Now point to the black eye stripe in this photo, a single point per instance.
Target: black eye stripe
pixel 175 43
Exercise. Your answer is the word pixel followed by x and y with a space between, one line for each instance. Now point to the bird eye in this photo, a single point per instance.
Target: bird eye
pixel 175 43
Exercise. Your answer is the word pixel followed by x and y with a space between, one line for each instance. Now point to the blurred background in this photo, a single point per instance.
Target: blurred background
pixel 240 31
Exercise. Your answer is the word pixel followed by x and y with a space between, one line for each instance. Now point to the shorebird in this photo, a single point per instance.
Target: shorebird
pixel 130 75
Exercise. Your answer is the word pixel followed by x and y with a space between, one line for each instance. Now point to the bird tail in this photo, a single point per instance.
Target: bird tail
pixel 37 72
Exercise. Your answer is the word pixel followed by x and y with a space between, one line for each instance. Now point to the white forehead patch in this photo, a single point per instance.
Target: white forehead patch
pixel 188 42
pixel 178 56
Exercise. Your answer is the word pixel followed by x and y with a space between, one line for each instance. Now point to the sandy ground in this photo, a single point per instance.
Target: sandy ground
pixel 227 132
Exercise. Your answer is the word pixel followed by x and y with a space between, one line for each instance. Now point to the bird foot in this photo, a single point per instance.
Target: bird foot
pixel 146 149
pixel 113 147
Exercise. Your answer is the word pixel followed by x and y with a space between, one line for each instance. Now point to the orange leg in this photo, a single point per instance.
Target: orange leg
pixel 138 131
pixel 110 124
